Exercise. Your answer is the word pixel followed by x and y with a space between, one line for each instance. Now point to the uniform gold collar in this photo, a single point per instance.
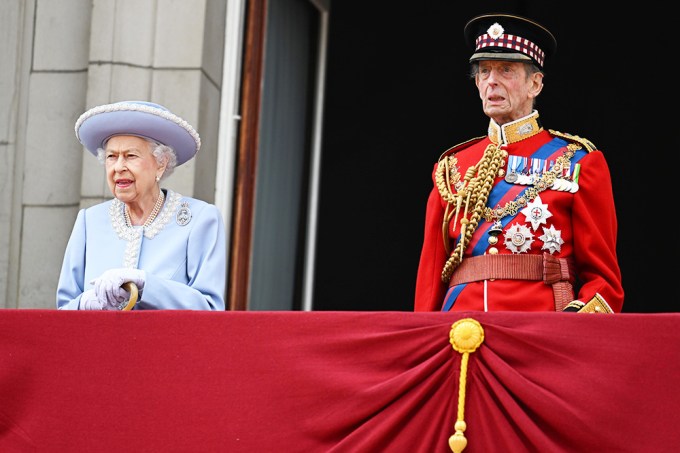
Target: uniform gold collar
pixel 516 130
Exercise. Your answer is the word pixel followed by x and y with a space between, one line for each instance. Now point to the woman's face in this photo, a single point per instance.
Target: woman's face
pixel 131 169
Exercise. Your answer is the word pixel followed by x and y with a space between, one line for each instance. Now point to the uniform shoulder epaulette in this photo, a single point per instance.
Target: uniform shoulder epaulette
pixel 459 146
pixel 587 144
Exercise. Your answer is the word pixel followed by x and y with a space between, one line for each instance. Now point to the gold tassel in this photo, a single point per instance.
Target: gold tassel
pixel 459 202
pixel 463 227
pixel 445 229
pixel 466 336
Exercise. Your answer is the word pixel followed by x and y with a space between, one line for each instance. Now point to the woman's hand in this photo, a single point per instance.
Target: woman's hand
pixel 108 286
pixel 90 301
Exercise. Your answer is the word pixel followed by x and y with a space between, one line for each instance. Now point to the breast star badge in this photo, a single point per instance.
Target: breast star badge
pixel 536 212
pixel 518 238
pixel 552 239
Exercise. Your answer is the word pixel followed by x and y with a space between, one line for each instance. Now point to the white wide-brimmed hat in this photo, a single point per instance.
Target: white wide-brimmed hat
pixel 139 118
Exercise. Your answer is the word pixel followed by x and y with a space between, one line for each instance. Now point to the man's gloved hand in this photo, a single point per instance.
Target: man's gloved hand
pixel 108 286
pixel 574 306
pixel 90 301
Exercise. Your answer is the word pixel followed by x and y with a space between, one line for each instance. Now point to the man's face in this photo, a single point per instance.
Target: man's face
pixel 506 89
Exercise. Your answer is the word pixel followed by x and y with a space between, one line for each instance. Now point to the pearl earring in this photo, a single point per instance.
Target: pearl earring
pixel 158 178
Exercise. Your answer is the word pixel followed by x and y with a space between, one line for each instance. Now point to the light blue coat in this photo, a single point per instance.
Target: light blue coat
pixel 183 253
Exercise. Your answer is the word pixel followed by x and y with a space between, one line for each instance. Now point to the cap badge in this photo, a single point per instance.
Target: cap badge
pixel 495 31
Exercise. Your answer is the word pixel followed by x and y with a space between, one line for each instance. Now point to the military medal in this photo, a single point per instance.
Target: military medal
pixel 558 184
pixel 523 179
pixel 567 182
pixel 524 175
pixel 574 179
pixel 536 170
pixel 563 183
pixel 513 165
pixel 518 238
pixel 494 231
pixel 184 214
pixel 496 228
pixel 536 212
pixel 552 239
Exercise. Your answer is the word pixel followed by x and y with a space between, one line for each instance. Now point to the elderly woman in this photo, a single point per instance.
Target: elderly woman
pixel 173 248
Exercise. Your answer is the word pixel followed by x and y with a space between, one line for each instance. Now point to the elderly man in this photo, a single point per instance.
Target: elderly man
pixel 522 218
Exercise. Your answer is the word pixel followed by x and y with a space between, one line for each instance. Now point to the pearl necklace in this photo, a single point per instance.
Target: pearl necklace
pixel 156 209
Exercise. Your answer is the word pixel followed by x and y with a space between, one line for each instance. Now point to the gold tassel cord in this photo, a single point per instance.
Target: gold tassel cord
pixel 466 336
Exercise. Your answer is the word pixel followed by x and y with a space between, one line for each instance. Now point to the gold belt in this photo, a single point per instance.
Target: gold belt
pixel 551 270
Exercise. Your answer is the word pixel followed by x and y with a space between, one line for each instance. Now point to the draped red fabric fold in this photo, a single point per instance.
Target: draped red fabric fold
pixel 176 381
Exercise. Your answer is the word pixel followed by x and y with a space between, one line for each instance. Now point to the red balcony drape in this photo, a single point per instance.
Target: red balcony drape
pixel 178 381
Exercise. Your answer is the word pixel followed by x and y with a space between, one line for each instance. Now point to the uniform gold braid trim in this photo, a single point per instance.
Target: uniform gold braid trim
pixel 477 193
pixel 454 200
pixel 577 304
pixel 449 184
pixel 462 145
pixel 587 144
pixel 447 174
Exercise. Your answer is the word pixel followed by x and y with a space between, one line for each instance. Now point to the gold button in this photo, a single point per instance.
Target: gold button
pixel 493 251
pixel 493 240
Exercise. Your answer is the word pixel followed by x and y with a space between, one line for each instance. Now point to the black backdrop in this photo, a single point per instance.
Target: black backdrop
pixel 397 95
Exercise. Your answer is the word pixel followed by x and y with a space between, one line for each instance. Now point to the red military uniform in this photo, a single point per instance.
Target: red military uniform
pixel 545 234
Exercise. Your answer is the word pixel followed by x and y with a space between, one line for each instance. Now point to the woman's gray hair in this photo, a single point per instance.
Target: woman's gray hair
pixel 162 153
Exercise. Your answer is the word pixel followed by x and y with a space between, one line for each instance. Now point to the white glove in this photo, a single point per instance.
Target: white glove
pixel 108 286
pixel 89 301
